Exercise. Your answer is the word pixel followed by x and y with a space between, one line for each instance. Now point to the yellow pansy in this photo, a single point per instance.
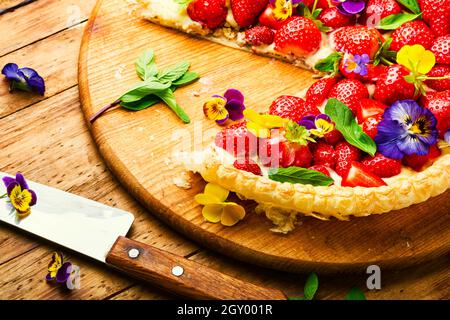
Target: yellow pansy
pixel 214 109
pixel 261 124
pixel 416 58
pixel 282 9
pixel 322 128
pixel 216 209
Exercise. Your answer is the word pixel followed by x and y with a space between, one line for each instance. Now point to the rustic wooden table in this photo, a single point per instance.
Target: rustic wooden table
pixel 48 140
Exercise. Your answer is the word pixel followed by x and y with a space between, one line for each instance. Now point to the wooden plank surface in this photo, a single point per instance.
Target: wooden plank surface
pixel 50 143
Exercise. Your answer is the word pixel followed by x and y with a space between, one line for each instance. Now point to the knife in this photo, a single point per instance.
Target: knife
pixel 98 231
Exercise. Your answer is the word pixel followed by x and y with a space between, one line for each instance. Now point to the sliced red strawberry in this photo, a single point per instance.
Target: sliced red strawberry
pixel 248 165
pixel 359 176
pixel 345 155
pixel 259 35
pixel 293 108
pixel 436 13
pixel 322 169
pixel 237 140
pixel 246 12
pixel 439 70
pixel 321 4
pixel 410 33
pixel 369 108
pixel 420 163
pixel 349 92
pixel 392 86
pixel 382 166
pixel 298 36
pixel 377 10
pixel 210 13
pixel 319 90
pixel 333 137
pixel 441 49
pixel 303 157
pixel 333 18
pixel 324 154
pixel 439 104
pixel 370 125
pixel 357 40
pixel 268 19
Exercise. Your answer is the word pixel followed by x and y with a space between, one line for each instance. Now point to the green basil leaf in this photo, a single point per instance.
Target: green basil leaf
pixel 296 298
pixel 142 104
pixel 143 89
pixel 299 175
pixel 330 63
pixel 394 21
pixel 174 73
pixel 186 79
pixel 346 123
pixel 311 286
pixel 412 5
pixel 145 65
pixel 168 97
pixel 355 294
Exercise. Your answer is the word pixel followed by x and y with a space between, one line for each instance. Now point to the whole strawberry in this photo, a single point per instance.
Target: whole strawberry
pixel 324 154
pixel 259 35
pixel 237 140
pixel 392 86
pixel 298 36
pixel 292 108
pixel 441 49
pixel 382 166
pixel 439 70
pixel 349 92
pixel 419 163
pixel 436 13
pixel 377 10
pixel 319 90
pixel 333 18
pixel 410 33
pixel 248 165
pixel 345 155
pixel 210 13
pixel 357 40
pixel 246 12
pixel 439 104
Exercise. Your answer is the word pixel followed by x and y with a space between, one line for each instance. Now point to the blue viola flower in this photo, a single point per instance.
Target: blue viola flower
pixel 350 7
pixel 25 79
pixel 406 129
pixel 357 63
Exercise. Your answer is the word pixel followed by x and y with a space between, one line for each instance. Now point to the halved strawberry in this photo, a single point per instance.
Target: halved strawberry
pixel 259 35
pixel 359 176
pixel 441 49
pixel 237 140
pixel 370 125
pixel 324 154
pixel 439 70
pixel 369 108
pixel 298 36
pixel 321 168
pixel 349 92
pixel 420 163
pixel 357 40
pixel 410 33
pixel 248 165
pixel 382 166
pixel 293 108
pixel 210 13
pixel 246 12
pixel 345 155
pixel 268 19
pixel 319 90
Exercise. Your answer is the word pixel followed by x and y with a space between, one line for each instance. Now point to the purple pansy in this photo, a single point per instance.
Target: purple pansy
pixel 294 2
pixel 25 79
pixel 319 125
pixel 356 63
pixel 22 198
pixel 229 106
pixel 406 129
pixel 58 269
pixel 350 7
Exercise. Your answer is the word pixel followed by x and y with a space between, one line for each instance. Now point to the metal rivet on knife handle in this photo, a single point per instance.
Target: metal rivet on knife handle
pixel 133 253
pixel 177 271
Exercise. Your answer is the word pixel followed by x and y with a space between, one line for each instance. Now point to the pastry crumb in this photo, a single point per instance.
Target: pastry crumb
pixel 182 181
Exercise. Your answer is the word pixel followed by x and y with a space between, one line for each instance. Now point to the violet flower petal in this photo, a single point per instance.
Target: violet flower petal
pixel 234 94
pixel 323 117
pixel 49 277
pixel 33 197
pixel 389 133
pixel 411 145
pixel 21 181
pixel 34 80
pixel 10 187
pixel 7 181
pixel 235 110
pixel 353 7
pixel 11 72
pixel 221 122
pixel 64 272
pixel 447 136
pixel 308 124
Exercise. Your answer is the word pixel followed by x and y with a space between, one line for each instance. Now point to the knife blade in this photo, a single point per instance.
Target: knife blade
pixel 98 231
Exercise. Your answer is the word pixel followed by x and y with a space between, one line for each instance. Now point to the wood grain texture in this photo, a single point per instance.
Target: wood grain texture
pixel 138 146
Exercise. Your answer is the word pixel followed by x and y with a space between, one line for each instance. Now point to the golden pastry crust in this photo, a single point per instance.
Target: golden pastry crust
pixel 402 191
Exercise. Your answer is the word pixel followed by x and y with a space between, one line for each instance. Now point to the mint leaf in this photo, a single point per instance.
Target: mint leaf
pixel 394 21
pixel 330 63
pixel 346 124
pixel 168 97
pixel 143 89
pixel 311 286
pixel 174 73
pixel 145 65
pixel 412 5
pixel 186 79
pixel 141 104
pixel 355 294
pixel 300 175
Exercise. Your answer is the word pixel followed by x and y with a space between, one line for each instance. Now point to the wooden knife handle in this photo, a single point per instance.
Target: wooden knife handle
pixel 182 276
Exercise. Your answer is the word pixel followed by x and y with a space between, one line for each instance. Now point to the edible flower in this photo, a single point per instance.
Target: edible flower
pixel 350 7
pixel 22 198
pixel 298 134
pixel 447 136
pixel 318 125
pixel 406 129
pixel 25 79
pixel 283 9
pixel 229 106
pixel 262 124
pixel 58 269
pixel 216 209
pixel 356 63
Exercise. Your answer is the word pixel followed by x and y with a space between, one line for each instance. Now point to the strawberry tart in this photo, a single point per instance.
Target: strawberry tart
pixel 370 136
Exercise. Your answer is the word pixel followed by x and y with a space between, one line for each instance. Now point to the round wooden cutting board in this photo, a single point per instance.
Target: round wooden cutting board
pixel 138 148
